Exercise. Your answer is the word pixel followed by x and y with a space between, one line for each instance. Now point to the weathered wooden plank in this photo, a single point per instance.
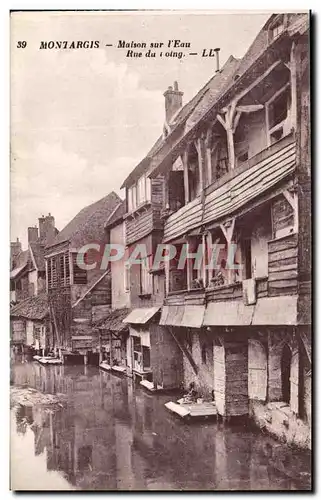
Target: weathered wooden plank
pixel 260 172
pixel 283 283
pixel 282 275
pixel 284 254
pixel 290 241
pixel 180 219
pixel 251 194
pixel 277 292
pixel 289 263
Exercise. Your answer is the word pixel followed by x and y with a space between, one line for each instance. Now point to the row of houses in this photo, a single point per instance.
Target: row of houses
pixel 232 166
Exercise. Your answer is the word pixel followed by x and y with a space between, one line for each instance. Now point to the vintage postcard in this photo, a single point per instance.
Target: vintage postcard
pixel 160 270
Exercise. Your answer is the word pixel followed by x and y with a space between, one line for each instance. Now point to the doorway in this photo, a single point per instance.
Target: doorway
pixel 285 373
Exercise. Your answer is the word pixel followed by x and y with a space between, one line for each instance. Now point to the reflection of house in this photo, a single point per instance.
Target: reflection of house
pixel 77 295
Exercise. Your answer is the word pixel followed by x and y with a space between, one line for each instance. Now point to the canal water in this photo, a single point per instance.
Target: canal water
pixel 109 435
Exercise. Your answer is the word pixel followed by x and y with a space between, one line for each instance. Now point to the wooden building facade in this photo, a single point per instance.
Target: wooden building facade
pixel 237 172
pixel 77 297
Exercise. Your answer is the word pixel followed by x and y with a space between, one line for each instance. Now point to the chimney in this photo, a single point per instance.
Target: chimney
pixel 173 101
pixel 47 229
pixel 15 249
pixel 217 52
pixel 32 234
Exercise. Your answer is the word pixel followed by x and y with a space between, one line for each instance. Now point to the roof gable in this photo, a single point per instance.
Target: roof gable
pixel 88 225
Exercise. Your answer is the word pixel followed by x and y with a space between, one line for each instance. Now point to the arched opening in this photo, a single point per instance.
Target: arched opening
pixel 285 373
pixel 257 363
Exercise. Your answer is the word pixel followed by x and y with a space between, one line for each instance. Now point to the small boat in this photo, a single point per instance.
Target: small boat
pixel 36 357
pixel 49 360
pixel 105 366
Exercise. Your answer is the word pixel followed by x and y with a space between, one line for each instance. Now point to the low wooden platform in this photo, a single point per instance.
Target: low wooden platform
pixel 105 366
pixel 119 369
pixel 192 410
pixel 146 384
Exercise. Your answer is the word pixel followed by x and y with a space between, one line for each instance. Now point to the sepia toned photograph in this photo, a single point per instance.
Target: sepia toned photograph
pixel 160 251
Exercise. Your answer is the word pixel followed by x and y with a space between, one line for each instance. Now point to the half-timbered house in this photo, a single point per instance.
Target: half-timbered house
pixel 237 171
pixel 77 295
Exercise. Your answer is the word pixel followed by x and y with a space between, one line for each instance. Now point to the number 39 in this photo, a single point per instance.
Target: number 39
pixel 21 45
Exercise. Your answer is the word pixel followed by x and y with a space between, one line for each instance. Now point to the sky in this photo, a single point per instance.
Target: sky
pixel 82 119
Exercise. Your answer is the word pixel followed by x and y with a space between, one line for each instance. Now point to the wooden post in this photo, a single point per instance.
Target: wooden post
pixel 228 125
pixel 186 184
pixel 166 191
pixel 209 255
pixel 208 155
pixel 204 260
pixel 293 70
pixel 199 148
pixel 228 230
pixel 167 267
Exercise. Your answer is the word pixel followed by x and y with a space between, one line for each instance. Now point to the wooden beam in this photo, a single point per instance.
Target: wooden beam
pixel 228 229
pixel 293 70
pixel 236 120
pixel 222 122
pixel 55 323
pixel 230 148
pixel 277 93
pixel 186 183
pixel 199 149
pixel 258 80
pixel 185 351
pixel 250 108
pixel 306 346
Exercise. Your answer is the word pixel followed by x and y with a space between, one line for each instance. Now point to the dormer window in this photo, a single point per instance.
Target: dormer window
pixel 277 27
pixel 277 30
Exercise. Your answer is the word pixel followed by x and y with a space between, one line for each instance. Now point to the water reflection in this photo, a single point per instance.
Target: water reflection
pixel 110 435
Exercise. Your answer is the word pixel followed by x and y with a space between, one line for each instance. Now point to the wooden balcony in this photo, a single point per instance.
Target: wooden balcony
pixel 192 297
pixel 235 189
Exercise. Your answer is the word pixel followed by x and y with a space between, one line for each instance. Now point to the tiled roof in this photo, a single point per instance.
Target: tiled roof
pixel 117 216
pixel 113 321
pixel 31 308
pixel 177 120
pixel 21 262
pixel 88 225
pixel 214 89
pixel 37 250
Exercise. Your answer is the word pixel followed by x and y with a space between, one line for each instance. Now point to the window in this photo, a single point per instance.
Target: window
pixel 141 190
pixel 139 193
pixel 277 30
pixel 132 198
pixel 145 278
pixel 58 270
pixel 278 114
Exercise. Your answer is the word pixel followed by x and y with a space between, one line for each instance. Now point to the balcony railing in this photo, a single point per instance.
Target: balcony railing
pixel 234 189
